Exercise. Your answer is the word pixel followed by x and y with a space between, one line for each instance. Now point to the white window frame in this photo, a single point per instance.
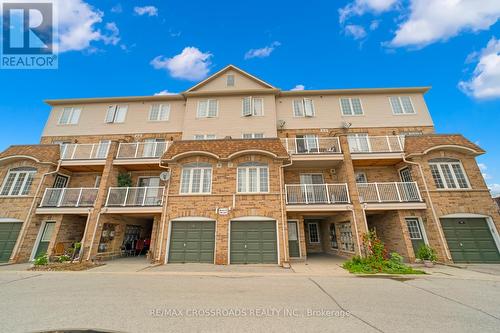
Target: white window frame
pixel 453 176
pixel 403 113
pixel 206 113
pixel 115 109
pixel 421 225
pixel 30 174
pixel 360 173
pixel 252 112
pixel 73 117
pixel 204 171
pixel 246 183
pixel 352 114
pixel 163 112
pixel 309 233
pixel 199 137
pixel 304 113
pixel 252 136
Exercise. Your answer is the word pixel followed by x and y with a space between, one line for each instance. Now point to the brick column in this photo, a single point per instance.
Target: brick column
pixel 358 227
pixel 94 228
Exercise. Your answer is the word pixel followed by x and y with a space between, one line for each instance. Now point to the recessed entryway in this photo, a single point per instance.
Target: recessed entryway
pixel 253 242
pixel 192 242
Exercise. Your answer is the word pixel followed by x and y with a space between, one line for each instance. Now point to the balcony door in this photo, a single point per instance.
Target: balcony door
pixel 407 188
pixel 148 191
pixel 307 143
pixel 311 188
pixel 359 143
pixel 102 149
pixel 153 147
pixel 60 182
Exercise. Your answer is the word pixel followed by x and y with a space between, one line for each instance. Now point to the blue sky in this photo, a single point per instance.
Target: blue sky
pixel 117 48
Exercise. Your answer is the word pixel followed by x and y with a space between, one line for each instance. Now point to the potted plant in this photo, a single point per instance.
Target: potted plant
pixel 427 254
pixel 124 179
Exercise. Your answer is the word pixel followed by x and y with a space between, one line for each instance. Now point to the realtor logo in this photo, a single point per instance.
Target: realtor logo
pixel 27 36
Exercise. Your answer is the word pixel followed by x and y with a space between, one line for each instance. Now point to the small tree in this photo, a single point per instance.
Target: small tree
pixel 124 179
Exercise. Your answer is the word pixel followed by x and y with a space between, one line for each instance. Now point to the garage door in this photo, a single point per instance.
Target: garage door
pixel 470 240
pixel 192 241
pixel 253 242
pixel 8 237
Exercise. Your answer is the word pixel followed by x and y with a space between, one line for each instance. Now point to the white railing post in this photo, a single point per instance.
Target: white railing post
pixel 162 194
pixel 338 145
pixel 397 191
pixel 378 193
pixel 388 143
pixel 286 194
pixel 61 197
pixel 126 197
pixel 79 197
pixel 418 191
pixel 44 197
pixel 119 150
pixel 347 192
pixel 107 197
pixel 74 151
pixel 144 196
pixel 305 193
pixel 92 151
pixel 136 149
pixel 327 194
pixel 400 143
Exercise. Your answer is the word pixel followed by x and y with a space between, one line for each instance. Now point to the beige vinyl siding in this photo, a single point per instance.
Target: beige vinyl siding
pixel 230 121
pixel 241 82
pixel 92 122
pixel 376 107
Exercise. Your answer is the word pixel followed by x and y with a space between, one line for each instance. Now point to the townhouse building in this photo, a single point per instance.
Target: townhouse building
pixel 236 171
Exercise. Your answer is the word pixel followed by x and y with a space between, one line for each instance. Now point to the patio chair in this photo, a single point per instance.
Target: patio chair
pixel 59 249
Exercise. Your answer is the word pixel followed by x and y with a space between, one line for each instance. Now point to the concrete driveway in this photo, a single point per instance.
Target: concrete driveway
pixel 248 299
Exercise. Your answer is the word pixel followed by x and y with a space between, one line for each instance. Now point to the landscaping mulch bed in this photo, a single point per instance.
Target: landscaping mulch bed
pixel 66 266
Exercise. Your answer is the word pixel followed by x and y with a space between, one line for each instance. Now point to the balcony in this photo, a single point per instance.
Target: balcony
pixel 319 197
pixel 135 199
pixel 312 145
pixel 387 150
pixel 68 200
pixel 393 193
pixel 133 155
pixel 84 157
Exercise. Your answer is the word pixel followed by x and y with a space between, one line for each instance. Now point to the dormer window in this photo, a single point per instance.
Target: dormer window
pixel 230 80
pixel 303 107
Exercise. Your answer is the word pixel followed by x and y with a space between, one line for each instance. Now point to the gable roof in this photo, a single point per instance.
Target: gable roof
pixel 224 70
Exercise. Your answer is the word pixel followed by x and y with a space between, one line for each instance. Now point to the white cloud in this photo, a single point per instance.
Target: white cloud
pixel 374 25
pixel 355 31
pixel 430 21
pixel 360 7
pixel 146 10
pixel 485 80
pixel 117 9
pixel 191 64
pixel 298 87
pixel 494 188
pixel 164 93
pixel 78 26
pixel 262 52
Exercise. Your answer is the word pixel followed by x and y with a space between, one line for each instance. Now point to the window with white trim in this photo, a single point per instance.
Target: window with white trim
pixel 196 178
pixel 18 181
pixel 253 177
pixel 313 232
pixel 346 239
pixel 303 107
pixel 351 106
pixel 252 106
pixel 207 108
pixel 253 135
pixel 448 174
pixel 159 112
pixel 401 105
pixel 230 80
pixel 360 177
pixel 69 116
pixel 413 228
pixel 204 137
pixel 116 114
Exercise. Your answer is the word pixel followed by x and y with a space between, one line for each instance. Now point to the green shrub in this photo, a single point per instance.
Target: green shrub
pixel 124 179
pixel 42 259
pixel 376 261
pixel 425 252
pixel 63 258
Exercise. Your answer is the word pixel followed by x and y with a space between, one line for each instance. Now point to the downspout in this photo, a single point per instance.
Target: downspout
pixel 164 212
pixel 441 235
pixel 33 203
pixel 84 235
pixel 283 216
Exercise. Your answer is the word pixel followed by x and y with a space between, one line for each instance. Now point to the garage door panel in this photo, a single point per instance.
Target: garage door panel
pixel 470 240
pixel 8 237
pixel 192 241
pixel 253 242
